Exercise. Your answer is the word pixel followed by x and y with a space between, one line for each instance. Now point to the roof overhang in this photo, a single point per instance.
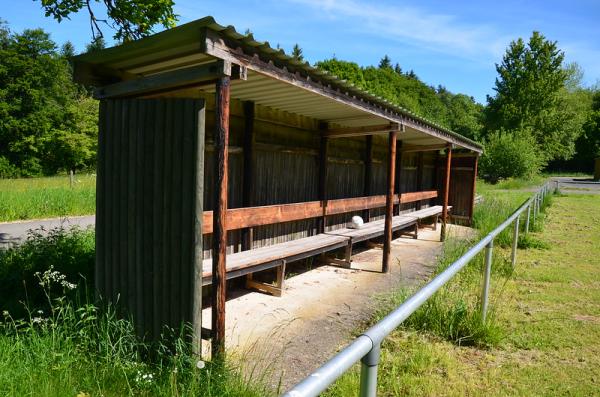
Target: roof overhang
pixel 270 78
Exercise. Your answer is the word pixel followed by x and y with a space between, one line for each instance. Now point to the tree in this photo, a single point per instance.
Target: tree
pixel 96 44
pixel 398 69
pixel 40 106
pixel 530 94
pixel 510 154
pixel 458 112
pixel 67 50
pixel 385 63
pixel 297 53
pixel 131 19
pixel 588 144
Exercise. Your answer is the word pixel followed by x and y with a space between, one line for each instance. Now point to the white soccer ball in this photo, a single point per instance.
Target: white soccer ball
pixel 356 222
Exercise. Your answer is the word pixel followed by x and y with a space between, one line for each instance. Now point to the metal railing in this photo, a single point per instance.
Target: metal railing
pixel 367 346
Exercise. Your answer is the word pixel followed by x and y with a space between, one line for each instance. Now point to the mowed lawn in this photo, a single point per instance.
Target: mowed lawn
pixel 549 311
pixel 32 198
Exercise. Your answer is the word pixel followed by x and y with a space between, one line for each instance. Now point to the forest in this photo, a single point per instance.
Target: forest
pixel 541 116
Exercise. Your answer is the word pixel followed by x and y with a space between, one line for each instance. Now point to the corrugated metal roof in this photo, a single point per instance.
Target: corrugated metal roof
pixel 183 46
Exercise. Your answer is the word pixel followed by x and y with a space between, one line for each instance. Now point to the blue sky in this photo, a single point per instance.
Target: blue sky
pixel 451 43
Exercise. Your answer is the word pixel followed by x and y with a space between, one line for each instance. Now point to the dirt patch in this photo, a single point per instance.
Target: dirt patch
pixel 589 319
pixel 287 338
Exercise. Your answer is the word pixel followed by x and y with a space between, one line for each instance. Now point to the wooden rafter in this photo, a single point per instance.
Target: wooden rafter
pixel 179 78
pixel 360 131
pixel 423 148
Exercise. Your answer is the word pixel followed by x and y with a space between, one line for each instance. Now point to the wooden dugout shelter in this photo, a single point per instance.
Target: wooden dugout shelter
pixel 212 144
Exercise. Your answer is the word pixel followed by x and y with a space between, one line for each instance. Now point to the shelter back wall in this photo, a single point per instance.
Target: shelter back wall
pixel 286 170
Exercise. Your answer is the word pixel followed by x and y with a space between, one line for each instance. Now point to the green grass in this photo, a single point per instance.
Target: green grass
pixel 485 188
pixel 548 313
pixel 53 342
pixel 32 198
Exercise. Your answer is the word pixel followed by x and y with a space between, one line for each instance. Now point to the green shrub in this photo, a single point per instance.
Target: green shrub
pixel 7 170
pixel 85 351
pixel 510 154
pixel 71 252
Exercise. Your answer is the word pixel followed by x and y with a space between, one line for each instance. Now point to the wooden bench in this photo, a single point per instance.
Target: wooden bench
pixel 278 255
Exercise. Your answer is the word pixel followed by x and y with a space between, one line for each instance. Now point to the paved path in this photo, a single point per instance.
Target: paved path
pixel 578 185
pixel 14 232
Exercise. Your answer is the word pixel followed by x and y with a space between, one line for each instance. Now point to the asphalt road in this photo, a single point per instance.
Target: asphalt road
pixel 13 232
pixel 578 185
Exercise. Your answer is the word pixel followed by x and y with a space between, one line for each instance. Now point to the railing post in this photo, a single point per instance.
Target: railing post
pixel 515 242
pixel 535 204
pixel 486 279
pixel 368 372
pixel 527 219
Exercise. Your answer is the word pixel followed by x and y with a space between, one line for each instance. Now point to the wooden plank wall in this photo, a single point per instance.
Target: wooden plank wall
pixel 461 184
pixel 146 201
pixel 286 170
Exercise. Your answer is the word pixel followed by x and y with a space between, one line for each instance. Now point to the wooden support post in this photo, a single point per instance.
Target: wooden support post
pixel 446 191
pixel 219 240
pixel 420 169
pixel 198 254
pixel 248 178
pixel 368 174
pixel 323 149
pixel 472 208
pixel 397 182
pixel 389 202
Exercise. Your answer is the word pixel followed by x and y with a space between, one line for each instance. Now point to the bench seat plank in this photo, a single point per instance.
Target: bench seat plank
pixel 374 229
pixel 271 256
pixel 246 262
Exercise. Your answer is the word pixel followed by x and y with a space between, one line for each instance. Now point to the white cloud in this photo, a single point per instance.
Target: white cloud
pixel 438 32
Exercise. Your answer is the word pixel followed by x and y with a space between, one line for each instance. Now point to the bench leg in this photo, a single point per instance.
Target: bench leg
pixel 414 234
pixel 275 290
pixel 346 262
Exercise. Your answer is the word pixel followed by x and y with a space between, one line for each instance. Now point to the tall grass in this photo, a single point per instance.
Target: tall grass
pixel 69 251
pixel 30 198
pixel 454 312
pixel 54 341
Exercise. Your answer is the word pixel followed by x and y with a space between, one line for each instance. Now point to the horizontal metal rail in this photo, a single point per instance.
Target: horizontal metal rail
pixel 366 347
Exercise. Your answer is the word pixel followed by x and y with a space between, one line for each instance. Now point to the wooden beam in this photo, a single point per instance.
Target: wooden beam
pixel 412 197
pixel 219 240
pixel 420 168
pixel 248 177
pixel 446 191
pixel 423 148
pixel 322 188
pixel 239 218
pixel 389 203
pixel 397 182
pixel 368 174
pixel 198 252
pixel 360 131
pixel 170 80
pixel 472 206
pixel 98 75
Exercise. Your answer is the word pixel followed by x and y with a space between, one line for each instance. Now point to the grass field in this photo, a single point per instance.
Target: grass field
pixel 547 315
pixel 55 342
pixel 32 198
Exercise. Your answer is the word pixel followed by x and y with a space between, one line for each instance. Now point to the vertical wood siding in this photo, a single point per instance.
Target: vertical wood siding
pixel 285 167
pixel 145 208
